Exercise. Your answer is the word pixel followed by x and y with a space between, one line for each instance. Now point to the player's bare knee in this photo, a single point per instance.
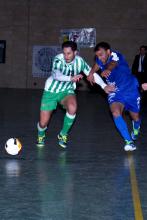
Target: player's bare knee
pixel 116 113
pixel 136 118
pixel 72 108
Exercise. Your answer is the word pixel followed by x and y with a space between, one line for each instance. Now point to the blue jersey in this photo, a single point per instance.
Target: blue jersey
pixel 121 75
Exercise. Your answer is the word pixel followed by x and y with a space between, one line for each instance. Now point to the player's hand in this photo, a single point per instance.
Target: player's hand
pixel 76 78
pixel 144 86
pixel 105 73
pixel 109 88
pixel 90 78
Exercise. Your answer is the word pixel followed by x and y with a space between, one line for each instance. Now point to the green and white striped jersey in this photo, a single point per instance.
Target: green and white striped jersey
pixel 59 80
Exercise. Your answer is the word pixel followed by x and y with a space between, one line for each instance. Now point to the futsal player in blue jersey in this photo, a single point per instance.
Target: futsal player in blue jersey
pixel 115 69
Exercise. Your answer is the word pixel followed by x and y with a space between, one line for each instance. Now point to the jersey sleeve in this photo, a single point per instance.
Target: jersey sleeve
pixel 114 57
pixel 57 63
pixel 98 80
pixel 85 68
pixel 57 71
pixel 57 75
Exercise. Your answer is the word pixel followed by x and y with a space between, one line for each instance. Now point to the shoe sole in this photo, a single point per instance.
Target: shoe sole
pixel 62 145
pixel 130 149
pixel 40 145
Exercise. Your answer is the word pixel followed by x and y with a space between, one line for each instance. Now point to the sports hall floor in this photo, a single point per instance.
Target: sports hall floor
pixel 93 179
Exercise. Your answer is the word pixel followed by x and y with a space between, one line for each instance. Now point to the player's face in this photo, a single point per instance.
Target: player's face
pixel 103 55
pixel 69 54
pixel 142 51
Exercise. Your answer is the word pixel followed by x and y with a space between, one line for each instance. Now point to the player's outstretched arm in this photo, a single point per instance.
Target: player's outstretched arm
pixel 76 78
pixel 98 80
pixel 109 68
pixel 90 76
pixel 57 75
pixel 107 88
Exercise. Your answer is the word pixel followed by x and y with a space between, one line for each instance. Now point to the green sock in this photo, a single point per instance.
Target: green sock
pixel 68 122
pixel 41 131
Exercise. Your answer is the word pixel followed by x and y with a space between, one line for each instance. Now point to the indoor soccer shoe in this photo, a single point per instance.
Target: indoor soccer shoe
pixel 134 134
pixel 62 140
pixel 41 141
pixel 129 146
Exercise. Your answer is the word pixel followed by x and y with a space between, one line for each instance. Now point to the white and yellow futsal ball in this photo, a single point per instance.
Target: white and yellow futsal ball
pixel 13 146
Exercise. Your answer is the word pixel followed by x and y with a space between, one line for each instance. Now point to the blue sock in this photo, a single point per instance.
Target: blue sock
pixel 136 124
pixel 122 127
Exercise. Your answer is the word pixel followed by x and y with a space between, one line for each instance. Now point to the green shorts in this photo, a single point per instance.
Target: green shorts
pixel 50 100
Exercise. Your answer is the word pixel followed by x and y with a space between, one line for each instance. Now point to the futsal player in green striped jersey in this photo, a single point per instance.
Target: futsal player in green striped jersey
pixel 59 88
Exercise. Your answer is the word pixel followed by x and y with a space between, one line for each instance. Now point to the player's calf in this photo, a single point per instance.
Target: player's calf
pixel 136 129
pixel 134 134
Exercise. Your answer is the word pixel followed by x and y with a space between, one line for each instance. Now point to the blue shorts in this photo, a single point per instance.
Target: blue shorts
pixel 131 101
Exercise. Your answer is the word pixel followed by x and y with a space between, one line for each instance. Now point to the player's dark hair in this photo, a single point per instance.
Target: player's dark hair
pixel 103 45
pixel 142 46
pixel 70 44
